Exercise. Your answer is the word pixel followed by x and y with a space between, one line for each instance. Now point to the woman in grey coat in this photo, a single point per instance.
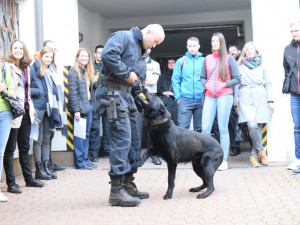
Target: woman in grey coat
pixel 255 100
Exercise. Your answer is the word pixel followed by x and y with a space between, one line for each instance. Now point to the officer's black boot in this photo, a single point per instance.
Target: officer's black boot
pixel 118 195
pixel 40 173
pixel 131 188
pixel 49 171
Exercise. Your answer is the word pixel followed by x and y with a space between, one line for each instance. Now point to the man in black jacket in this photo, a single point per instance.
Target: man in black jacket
pixel 95 148
pixel 291 67
pixel 124 57
pixel 165 90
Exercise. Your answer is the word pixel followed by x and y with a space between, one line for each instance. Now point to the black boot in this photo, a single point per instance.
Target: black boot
pixel 118 195
pixel 40 173
pixel 54 166
pixel 131 188
pixel 49 171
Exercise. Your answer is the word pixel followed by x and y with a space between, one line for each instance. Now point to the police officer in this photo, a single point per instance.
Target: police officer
pixel 124 57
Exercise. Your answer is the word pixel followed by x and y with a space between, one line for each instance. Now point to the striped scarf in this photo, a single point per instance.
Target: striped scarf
pixel 253 62
pixel 55 98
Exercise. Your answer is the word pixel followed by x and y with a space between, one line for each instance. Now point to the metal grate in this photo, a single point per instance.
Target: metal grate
pixel 9 23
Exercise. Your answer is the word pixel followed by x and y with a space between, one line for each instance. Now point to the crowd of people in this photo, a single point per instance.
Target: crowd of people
pixel 103 97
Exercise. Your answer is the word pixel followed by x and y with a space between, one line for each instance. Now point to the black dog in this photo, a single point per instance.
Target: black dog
pixel 175 145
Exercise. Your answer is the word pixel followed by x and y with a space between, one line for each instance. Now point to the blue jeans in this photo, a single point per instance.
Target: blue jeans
pixel 233 118
pixel 5 124
pixel 186 110
pixel 96 149
pixel 222 106
pixel 105 148
pixel 81 146
pixel 295 108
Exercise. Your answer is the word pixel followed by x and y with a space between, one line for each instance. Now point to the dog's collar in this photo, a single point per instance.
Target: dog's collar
pixel 156 122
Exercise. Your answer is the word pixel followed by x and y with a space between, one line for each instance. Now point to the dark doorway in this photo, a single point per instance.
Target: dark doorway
pixel 174 44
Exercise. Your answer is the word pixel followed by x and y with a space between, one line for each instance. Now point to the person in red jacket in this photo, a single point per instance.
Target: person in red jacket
pixel 219 75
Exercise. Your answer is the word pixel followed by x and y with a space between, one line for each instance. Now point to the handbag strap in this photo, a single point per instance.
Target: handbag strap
pixel 212 71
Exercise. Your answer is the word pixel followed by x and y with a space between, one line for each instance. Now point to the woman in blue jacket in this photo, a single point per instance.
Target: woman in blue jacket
pixel 48 102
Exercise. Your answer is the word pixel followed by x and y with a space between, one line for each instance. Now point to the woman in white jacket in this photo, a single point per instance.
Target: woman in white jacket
pixel 255 99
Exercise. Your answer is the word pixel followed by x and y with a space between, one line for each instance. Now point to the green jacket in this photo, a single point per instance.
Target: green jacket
pixel 4 106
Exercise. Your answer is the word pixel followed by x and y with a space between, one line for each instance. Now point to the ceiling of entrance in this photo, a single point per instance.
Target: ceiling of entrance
pixel 117 9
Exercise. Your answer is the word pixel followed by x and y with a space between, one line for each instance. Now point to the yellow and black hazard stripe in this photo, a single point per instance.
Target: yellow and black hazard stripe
pixel 264 137
pixel 70 137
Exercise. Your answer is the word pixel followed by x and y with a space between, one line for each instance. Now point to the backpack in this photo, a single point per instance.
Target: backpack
pixel 182 65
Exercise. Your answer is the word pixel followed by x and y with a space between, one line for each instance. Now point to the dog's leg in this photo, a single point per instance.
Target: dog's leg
pixel 171 180
pixel 197 167
pixel 210 189
pixel 145 156
pixel 208 172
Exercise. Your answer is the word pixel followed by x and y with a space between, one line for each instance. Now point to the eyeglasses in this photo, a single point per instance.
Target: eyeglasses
pixel 171 62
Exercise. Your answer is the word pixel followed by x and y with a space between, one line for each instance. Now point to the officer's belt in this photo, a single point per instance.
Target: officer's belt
pixel 115 86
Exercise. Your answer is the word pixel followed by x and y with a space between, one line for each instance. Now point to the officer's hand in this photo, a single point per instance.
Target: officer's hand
pixel 132 77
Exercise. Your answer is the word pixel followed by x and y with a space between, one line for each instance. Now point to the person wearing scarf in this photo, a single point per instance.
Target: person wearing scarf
pixel 255 100
pixel 48 98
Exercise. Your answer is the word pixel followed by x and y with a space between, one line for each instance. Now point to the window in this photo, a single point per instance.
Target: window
pixel 9 23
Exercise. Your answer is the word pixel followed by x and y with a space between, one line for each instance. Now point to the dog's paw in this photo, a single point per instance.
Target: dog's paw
pixel 205 194
pixel 168 196
pixel 201 196
pixel 197 189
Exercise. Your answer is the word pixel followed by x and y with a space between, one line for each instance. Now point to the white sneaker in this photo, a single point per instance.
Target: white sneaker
pixel 294 165
pixel 3 198
pixel 223 166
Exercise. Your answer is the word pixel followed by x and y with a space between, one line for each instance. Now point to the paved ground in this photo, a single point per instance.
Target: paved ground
pixel 243 195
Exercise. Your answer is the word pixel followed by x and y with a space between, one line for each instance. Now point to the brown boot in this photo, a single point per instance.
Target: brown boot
pixel 263 157
pixel 254 161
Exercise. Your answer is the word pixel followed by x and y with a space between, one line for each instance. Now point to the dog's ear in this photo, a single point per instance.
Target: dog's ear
pixel 162 110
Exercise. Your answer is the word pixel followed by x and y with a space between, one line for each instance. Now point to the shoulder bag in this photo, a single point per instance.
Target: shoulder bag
pixel 287 82
pixel 16 107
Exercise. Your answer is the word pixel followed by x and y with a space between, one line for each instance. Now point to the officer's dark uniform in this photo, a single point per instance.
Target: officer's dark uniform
pixel 122 54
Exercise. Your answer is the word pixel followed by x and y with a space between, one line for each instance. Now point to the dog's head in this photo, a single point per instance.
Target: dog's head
pixel 154 108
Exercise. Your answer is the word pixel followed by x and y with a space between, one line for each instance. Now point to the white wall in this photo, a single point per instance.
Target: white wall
pixel 27 24
pixel 188 19
pixel 272 34
pixel 93 27
pixel 61 25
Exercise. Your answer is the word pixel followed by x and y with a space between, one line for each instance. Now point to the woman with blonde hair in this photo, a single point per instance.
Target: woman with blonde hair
pixel 18 61
pixel 48 99
pixel 80 79
pixel 255 100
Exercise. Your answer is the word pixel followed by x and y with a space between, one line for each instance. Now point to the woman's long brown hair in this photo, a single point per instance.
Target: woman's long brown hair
pixel 223 56
pixel 43 51
pixel 25 61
